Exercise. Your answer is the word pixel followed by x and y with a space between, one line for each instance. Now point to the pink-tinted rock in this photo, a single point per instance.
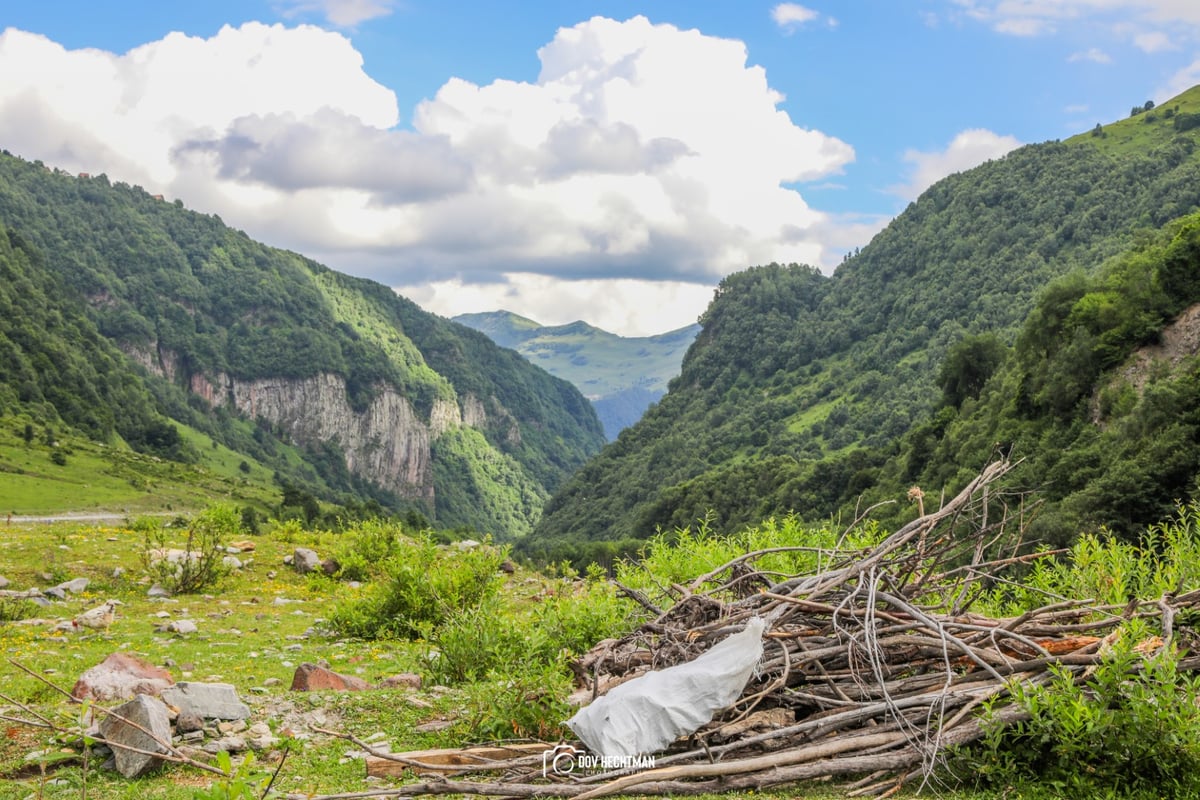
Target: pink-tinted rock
pixel 314 678
pixel 121 677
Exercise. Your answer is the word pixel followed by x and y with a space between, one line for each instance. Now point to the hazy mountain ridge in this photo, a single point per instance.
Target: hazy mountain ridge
pixel 382 396
pixel 621 375
pixel 801 386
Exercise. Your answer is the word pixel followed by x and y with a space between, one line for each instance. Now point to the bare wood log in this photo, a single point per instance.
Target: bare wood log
pixel 450 759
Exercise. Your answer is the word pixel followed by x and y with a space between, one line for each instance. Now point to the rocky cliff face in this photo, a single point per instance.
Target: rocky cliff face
pixel 388 444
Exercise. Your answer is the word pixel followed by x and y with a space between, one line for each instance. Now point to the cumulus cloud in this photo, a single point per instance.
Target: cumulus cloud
pixel 641 152
pixel 968 149
pixel 1093 54
pixel 342 13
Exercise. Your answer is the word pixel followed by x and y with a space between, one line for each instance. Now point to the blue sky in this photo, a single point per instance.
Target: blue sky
pixel 608 161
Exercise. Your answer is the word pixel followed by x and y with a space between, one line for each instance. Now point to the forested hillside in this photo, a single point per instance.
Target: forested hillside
pixel 127 312
pixel 620 375
pixel 800 387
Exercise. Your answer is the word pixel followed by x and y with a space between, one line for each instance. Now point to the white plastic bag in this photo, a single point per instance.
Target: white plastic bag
pixel 646 714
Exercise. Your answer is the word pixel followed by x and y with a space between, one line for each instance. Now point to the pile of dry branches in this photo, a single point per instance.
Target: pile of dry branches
pixel 872 667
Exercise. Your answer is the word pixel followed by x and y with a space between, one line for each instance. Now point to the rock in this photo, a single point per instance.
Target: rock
pixel 433 726
pixel 231 744
pixel 4 582
pixel 313 678
pixel 227 728
pixel 147 712
pixel 272 682
pixel 330 567
pixel 189 722
pixel 74 586
pixel 56 593
pixel 410 680
pixel 207 700
pixel 242 546
pixel 120 677
pixel 118 572
pixel 157 591
pixel 180 626
pixel 466 544
pixel 508 567
pixel 305 561
pixel 231 562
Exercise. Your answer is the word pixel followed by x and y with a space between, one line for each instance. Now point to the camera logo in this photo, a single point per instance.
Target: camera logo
pixel 560 760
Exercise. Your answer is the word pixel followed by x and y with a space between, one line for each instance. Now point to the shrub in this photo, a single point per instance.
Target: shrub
pixel 1131 729
pixel 199 564
pixel 420 588
pixel 560 625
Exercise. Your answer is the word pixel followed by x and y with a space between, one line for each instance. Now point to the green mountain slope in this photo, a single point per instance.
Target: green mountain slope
pixel 180 317
pixel 621 375
pixel 800 386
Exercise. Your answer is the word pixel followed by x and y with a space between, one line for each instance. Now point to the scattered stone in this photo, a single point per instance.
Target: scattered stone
pixel 294 648
pixel 74 586
pixel 305 561
pixel 56 593
pixel 271 575
pixel 189 721
pixel 433 726
pixel 410 680
pixel 237 726
pixel 311 677
pixel 118 572
pixel 508 567
pixel 192 736
pixel 330 567
pixel 231 744
pixel 148 713
pixel 120 677
pixel 272 682
pixel 260 737
pixel 243 546
pixel 180 626
pixel 157 590
pixel 231 562
pixel 207 700
pixel 45 577
pixel 417 702
pixel 4 582
pixel 466 544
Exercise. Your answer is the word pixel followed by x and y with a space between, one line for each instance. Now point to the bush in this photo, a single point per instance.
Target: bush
pixel 199 564
pixel 1132 729
pixel 420 587
pixel 560 625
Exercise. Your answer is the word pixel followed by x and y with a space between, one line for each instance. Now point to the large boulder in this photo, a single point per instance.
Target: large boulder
pixel 120 677
pixel 206 700
pixel 315 678
pixel 142 724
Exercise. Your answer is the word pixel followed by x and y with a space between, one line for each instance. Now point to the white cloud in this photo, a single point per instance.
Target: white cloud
pixel 1154 42
pixel 629 306
pixel 1077 108
pixel 1093 54
pixel 1037 17
pixel 641 152
pixel 792 15
pixel 342 13
pixel 1180 82
pixel 968 149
